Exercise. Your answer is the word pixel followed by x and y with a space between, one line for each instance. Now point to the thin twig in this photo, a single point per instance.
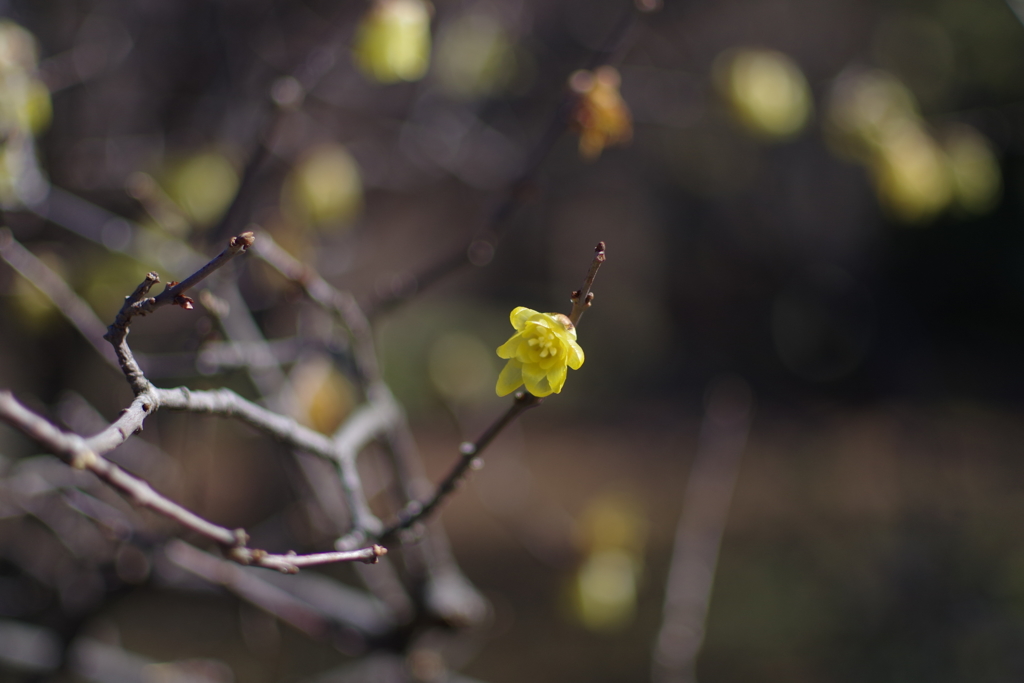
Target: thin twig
pixel 226 403
pixel 75 451
pixel 78 313
pixel 290 563
pixel 446 593
pixel 363 426
pixel 314 604
pixel 416 511
pixel 709 489
pixel 341 303
pixel 481 247
pixel 583 298
pixel 138 303
pixel 381 413
pixel 274 600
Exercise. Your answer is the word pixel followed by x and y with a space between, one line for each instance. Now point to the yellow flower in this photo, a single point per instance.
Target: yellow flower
pixel 538 353
pixel 600 116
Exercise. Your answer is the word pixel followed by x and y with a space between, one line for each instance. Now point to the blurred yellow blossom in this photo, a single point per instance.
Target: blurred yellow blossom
pixel 18 49
pixel 977 179
pixel 203 185
pixel 612 532
pixel 862 107
pixel 873 119
pixel 601 116
pixel 475 56
pixel 25 111
pixel 324 190
pixel 911 174
pixel 766 91
pixel 393 41
pixel 538 354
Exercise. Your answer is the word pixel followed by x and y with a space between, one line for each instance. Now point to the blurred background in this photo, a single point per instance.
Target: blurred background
pixel 820 199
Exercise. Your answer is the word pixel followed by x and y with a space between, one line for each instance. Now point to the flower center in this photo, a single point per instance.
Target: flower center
pixel 544 341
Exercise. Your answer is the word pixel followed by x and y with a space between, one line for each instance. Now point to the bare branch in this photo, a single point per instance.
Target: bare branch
pixel 312 603
pixel 53 286
pixel 416 510
pixel 446 594
pixel 75 451
pixel 290 563
pixel 709 489
pixel 252 588
pixel 138 303
pixel 363 426
pixel 128 423
pixel 174 292
pixel 583 298
pixel 343 304
pixel 226 403
pixel 481 247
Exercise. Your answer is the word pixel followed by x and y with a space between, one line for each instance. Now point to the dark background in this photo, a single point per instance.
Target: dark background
pixel 874 533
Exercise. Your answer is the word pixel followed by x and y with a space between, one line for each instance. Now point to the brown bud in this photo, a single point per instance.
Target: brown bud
pixel 564 319
pixel 244 240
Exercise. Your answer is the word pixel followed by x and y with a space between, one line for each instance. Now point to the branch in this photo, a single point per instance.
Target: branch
pixel 364 425
pixel 416 510
pixel 446 593
pixel 122 236
pixel 709 489
pixel 290 563
pixel 75 451
pixel 138 303
pixel 218 356
pixel 342 304
pixel 481 247
pixel 312 603
pixel 226 403
pixel 271 598
pixel 78 313
pixel 583 298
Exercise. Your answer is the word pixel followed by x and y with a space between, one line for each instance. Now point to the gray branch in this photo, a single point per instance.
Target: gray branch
pixel 76 452
pixel 138 303
pixel 53 286
pixel 343 304
pixel 709 488
pixel 470 451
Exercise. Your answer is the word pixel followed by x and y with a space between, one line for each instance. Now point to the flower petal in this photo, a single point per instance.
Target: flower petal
pixel 546 364
pixel 510 379
pixel 539 387
pixel 576 357
pixel 556 378
pixel 545 321
pixel 520 314
pixel 510 349
pixel 536 380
